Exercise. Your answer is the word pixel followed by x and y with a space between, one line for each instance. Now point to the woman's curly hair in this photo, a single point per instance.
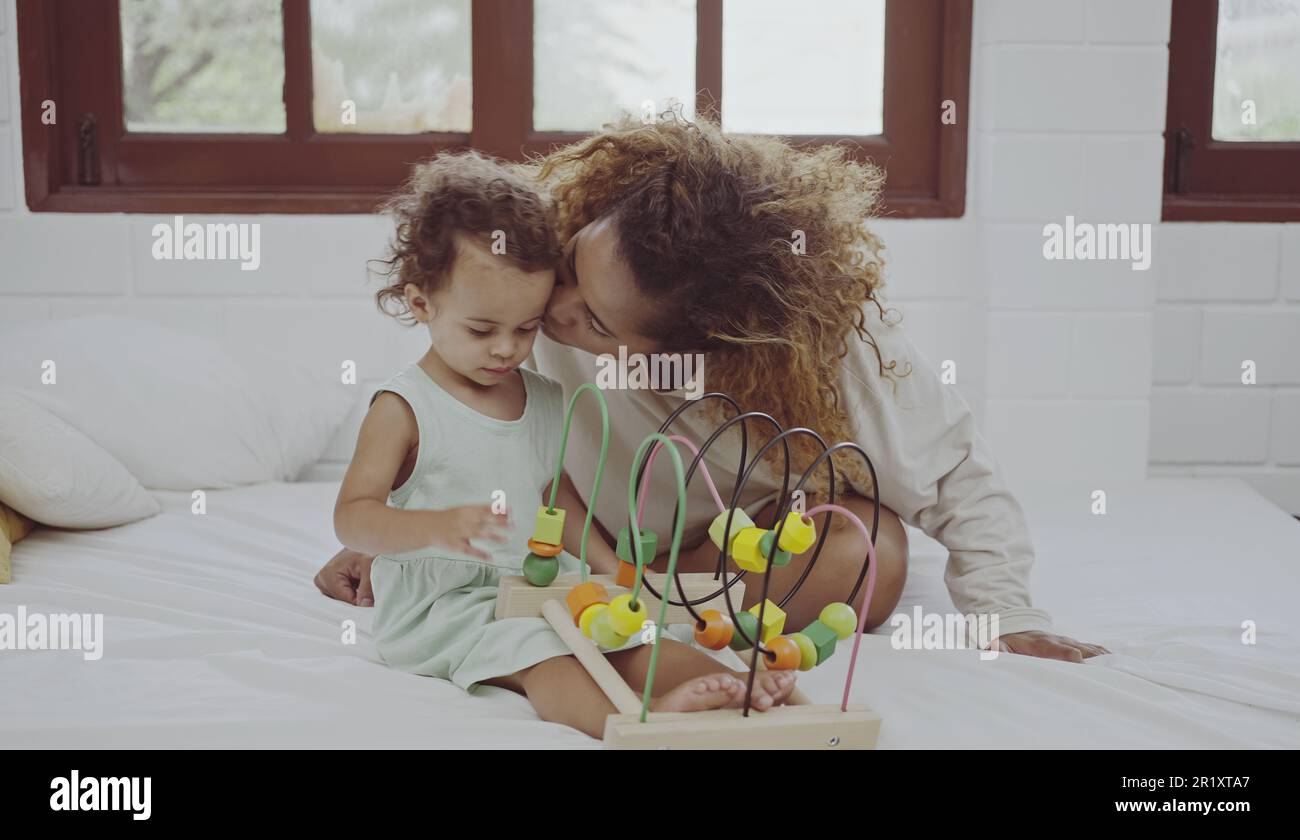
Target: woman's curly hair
pixel 711 224
pixel 471 195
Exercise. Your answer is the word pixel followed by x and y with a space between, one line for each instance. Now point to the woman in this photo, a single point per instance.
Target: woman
pixel 681 239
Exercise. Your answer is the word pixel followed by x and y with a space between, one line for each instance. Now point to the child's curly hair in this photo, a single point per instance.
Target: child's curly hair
pixel 472 195
pixel 708 222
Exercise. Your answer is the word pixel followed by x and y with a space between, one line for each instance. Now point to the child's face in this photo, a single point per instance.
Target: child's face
pixel 483 321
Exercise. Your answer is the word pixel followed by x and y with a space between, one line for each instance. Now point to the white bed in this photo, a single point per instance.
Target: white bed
pixel 216 637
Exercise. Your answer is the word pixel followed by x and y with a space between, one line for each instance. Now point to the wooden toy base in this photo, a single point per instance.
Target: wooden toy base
pixel 793 727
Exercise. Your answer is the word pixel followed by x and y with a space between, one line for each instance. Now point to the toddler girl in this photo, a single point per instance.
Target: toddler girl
pixel 473 261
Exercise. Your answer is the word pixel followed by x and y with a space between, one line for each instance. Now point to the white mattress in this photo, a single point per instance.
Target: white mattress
pixel 216 637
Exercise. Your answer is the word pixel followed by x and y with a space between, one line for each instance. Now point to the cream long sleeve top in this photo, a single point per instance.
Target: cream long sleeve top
pixel 933 467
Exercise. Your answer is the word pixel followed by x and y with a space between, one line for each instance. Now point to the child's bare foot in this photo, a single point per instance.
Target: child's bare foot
pixel 700 694
pixel 771 688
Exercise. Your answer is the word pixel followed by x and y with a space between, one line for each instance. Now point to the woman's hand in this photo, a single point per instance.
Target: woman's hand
pixel 1047 646
pixel 346 577
pixel 454 528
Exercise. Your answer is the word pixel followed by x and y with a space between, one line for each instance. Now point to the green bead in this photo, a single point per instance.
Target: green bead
pixel 807 651
pixel 823 638
pixel 841 618
pixel 541 571
pixel 781 558
pixel 747 623
pixel 604 635
pixel 649 545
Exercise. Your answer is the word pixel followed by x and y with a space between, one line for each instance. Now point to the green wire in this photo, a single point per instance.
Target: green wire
pixel 672 554
pixel 600 465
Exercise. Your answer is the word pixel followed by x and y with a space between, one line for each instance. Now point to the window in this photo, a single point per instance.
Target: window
pixel 320 106
pixel 1232 138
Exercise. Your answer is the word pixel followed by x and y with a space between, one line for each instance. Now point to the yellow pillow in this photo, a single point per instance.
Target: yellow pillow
pixel 13 527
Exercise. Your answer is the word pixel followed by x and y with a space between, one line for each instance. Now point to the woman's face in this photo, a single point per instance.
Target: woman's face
pixel 596 305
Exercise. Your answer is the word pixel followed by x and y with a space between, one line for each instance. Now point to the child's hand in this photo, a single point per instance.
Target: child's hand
pixel 453 528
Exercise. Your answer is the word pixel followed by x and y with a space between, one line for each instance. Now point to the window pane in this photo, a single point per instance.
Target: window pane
pixel 196 65
pixel 1257 71
pixel 595 58
pixel 391 66
pixel 816 67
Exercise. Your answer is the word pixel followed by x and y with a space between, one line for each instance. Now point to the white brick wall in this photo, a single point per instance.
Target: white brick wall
pixel 1070 121
pixel 1229 293
pixel 1056 357
pixel 1070 124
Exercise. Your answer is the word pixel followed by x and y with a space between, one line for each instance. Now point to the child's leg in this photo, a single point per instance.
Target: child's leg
pixel 562 691
pixel 680 663
pixel 686 680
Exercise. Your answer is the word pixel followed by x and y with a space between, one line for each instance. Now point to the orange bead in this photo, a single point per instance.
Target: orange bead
pixel 584 595
pixel 542 549
pixel 788 655
pixel 715 631
pixel 626 574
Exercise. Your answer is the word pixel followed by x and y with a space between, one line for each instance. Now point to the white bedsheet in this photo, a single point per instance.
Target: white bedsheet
pixel 216 637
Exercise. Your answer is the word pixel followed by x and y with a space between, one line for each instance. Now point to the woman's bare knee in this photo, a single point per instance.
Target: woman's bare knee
pixel 841 561
pixel 891 568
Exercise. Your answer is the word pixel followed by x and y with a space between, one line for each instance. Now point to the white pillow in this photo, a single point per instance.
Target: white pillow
pixel 54 474
pixel 176 409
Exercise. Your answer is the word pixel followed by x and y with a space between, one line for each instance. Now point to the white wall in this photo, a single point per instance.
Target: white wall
pixel 1069 123
pixel 1234 294
pixel 1057 358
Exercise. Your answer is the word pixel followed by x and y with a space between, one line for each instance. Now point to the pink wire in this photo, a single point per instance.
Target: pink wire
pixel 649 462
pixel 871 586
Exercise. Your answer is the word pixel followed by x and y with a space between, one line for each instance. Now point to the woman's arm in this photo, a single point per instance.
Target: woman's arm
pixel 363 520
pixel 938 473
pixel 600 556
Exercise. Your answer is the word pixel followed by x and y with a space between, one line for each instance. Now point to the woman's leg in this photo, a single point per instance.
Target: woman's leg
pixel 841 560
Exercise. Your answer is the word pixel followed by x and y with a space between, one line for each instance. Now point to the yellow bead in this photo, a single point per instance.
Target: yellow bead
pixel 797 536
pixel 589 615
pixel 841 618
pixel 584 595
pixel 550 526
pixel 739 522
pixel 623 618
pixel 807 651
pixel 773 619
pixel 604 635
pixel 746 550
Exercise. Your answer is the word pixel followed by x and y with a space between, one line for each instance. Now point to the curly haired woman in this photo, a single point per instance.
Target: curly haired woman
pixel 679 240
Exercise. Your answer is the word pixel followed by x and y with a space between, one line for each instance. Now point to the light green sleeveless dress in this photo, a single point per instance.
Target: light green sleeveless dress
pixel 434 608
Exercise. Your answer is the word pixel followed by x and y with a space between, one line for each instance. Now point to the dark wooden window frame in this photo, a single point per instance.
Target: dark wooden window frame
pixel 1215 180
pixel 69 52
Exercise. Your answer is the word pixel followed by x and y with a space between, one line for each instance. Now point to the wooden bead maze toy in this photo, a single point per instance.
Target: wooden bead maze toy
pixel 596 613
